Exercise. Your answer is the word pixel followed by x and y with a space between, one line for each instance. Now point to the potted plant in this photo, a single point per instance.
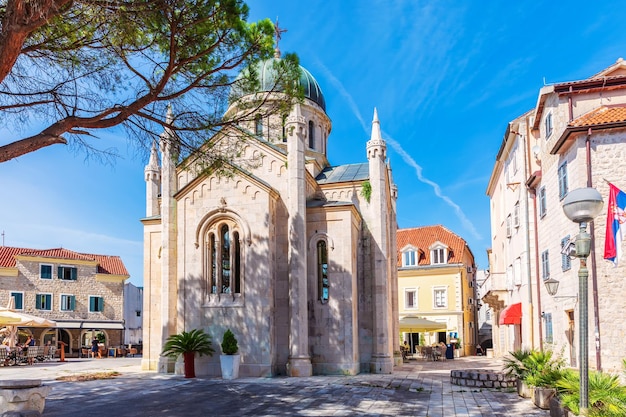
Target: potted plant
pixel 229 360
pixel 188 344
pixel 515 366
pixel 607 397
pixel 544 370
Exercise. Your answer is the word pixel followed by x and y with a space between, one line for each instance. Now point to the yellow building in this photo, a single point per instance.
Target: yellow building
pixel 436 277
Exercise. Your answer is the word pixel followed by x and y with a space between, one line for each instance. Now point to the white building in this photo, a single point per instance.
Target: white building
pixel 574 137
pixel 295 256
pixel 133 314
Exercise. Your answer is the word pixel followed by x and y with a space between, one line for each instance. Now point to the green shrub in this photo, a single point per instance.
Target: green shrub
pixel 229 343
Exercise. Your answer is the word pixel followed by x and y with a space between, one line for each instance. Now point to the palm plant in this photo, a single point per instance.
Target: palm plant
pixel 188 344
pixel 607 397
pixel 514 365
pixel 543 369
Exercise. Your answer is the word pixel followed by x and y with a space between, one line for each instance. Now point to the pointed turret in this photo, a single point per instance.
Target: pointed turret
pixel 152 174
pixel 379 227
pixel 376 146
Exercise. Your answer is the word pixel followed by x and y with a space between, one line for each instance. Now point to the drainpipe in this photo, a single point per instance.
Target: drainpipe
pixel 594 275
pixel 527 163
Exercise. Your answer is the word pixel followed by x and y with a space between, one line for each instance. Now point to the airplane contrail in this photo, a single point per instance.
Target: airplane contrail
pixel 403 154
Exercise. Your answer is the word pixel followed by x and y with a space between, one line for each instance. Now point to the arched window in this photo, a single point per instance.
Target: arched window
pixel 258 125
pixel 322 271
pixel 223 258
pixel 311 135
pixel 225 252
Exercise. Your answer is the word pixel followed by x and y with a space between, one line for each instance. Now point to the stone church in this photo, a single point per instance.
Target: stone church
pixel 295 256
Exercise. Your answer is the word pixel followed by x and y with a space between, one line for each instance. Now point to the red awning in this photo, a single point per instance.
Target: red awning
pixel 512 314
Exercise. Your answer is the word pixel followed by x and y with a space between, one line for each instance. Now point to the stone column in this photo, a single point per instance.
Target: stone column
pixel 299 360
pixel 382 350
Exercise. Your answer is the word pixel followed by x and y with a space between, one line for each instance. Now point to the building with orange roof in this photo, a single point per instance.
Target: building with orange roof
pixel 575 137
pixel 83 293
pixel 436 272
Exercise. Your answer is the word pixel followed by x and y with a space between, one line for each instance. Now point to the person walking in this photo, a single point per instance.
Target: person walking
pixel 95 349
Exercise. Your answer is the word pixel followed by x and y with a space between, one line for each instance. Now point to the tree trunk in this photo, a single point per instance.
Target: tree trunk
pixel 190 365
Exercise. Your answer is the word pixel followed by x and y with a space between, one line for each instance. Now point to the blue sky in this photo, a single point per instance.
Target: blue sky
pixel 445 76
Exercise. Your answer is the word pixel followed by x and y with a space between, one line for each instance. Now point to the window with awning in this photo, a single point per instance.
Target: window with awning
pixel 511 314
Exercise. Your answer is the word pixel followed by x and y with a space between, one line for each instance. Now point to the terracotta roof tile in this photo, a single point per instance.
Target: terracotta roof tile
pixel 110 265
pixel 7 256
pixel 423 237
pixel 600 116
pixel 106 264
pixel 58 253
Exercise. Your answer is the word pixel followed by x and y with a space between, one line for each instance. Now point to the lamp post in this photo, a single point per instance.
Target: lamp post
pixel 581 206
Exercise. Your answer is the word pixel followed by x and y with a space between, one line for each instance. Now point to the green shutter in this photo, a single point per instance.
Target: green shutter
pixel 101 303
pixel 72 302
pixel 59 272
pixel 92 302
pixel 74 273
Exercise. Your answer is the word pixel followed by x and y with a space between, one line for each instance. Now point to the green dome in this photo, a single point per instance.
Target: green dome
pixel 312 89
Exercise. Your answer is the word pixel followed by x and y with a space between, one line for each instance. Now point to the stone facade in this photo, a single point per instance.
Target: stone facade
pixel 575 137
pixel 423 276
pixel 32 274
pixel 304 278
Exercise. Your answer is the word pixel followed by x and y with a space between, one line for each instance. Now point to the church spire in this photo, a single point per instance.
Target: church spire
pixel 376 146
pixel 153 182
pixel 376 127
pixel 153 163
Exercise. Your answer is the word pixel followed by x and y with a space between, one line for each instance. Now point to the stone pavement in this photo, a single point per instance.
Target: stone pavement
pixel 417 388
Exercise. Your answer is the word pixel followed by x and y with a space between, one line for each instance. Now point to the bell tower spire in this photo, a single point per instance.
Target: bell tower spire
pixel 152 174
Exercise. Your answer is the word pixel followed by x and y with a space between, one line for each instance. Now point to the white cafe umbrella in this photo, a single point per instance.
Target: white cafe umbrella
pixel 14 319
pixel 413 324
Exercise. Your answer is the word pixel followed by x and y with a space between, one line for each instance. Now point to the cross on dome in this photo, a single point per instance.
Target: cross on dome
pixel 278 34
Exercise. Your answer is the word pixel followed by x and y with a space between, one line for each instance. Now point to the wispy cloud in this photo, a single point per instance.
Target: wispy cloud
pixel 403 154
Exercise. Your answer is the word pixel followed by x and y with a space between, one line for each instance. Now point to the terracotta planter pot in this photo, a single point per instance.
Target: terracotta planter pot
pixel 190 365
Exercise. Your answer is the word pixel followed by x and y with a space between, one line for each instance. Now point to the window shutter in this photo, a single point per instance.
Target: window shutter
pixel 74 273
pixel 59 272
pixel 101 303
pixel 72 303
pixel 92 303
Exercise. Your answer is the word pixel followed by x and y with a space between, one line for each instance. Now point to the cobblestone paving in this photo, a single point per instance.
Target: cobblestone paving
pixel 415 389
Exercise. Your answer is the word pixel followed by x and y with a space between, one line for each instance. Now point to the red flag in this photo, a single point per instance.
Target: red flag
pixel 614 219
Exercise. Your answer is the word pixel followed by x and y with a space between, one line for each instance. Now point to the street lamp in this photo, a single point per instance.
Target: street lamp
pixel 552 286
pixel 581 206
